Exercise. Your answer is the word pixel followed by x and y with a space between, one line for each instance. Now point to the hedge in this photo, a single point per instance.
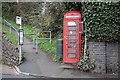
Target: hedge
pixel 102 20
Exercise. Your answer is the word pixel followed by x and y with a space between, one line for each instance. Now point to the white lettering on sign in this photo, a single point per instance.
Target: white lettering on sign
pixel 71 24
pixel 18 20
pixel 77 16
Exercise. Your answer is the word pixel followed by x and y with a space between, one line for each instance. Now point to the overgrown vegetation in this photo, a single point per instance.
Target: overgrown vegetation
pixel 50 19
pixel 102 20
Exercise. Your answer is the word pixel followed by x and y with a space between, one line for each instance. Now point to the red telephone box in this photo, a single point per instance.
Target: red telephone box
pixel 72 37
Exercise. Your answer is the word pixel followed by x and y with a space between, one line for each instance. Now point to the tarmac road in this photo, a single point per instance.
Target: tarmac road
pixel 10 72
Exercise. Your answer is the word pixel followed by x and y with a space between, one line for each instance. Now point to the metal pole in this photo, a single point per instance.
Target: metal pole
pixel 20 48
pixel 20 53
pixel 18 39
pixel 36 43
pixel 50 37
pixel 33 42
pixel 85 45
pixel 20 27
pixel 10 28
pixel 3 22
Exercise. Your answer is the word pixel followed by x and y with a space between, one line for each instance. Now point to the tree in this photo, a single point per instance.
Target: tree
pixel 12 9
pixel 52 19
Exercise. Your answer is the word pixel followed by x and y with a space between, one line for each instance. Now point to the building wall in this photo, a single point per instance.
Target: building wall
pixel 112 57
pixel 105 56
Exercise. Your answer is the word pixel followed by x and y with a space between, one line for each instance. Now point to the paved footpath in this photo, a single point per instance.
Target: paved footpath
pixel 41 65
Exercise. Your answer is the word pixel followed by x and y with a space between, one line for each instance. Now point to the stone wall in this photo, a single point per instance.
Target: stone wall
pixel 105 56
pixel 112 57
pixel 9 52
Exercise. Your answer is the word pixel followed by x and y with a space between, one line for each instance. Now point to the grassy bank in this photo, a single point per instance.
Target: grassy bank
pixel 44 45
pixel 10 36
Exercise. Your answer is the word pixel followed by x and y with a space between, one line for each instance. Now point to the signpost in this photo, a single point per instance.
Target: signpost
pixel 21 37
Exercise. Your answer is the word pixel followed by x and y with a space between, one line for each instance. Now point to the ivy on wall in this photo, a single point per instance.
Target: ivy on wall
pixel 102 20
pixel 102 23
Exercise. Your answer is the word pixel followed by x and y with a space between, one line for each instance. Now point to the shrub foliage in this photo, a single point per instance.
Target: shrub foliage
pixel 102 20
